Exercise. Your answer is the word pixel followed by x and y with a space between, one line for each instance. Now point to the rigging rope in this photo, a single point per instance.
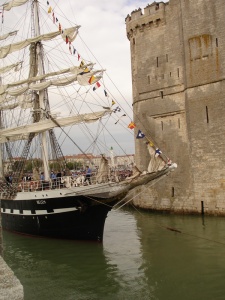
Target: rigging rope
pixel 145 186
pixel 180 231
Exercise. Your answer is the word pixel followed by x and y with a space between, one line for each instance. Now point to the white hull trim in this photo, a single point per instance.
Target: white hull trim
pixel 38 212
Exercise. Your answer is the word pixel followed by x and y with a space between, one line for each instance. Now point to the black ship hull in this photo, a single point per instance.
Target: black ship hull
pixel 76 217
pixel 76 213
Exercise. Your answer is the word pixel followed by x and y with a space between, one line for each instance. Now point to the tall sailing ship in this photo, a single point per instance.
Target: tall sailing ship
pixel 33 90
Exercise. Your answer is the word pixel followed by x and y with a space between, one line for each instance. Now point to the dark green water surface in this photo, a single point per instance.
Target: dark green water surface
pixel 140 258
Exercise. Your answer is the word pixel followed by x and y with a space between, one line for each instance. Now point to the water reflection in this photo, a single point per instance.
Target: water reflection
pixel 185 265
pixel 53 269
pixel 123 248
pixel 140 258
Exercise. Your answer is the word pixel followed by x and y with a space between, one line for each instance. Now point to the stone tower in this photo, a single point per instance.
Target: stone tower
pixel 178 73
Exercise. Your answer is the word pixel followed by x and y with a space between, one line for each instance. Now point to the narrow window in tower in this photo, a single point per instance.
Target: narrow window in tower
pixel 157 22
pixel 178 123
pixel 207 114
pixel 170 74
pixel 178 72
pixel 157 62
pixel 166 57
pixel 148 79
pixel 161 94
pixel 133 41
pixel 162 124
pixel 216 42
pixel 172 191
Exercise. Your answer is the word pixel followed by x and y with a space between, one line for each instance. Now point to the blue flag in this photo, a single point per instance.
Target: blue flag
pixel 140 134
pixel 157 152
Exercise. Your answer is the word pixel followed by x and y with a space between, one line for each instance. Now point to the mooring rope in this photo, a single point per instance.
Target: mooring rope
pixel 145 186
pixel 182 232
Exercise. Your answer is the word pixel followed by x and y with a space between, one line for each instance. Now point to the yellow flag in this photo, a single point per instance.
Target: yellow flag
pixel 91 79
pixel 86 70
pixel 81 64
pixel 113 102
pixel 49 10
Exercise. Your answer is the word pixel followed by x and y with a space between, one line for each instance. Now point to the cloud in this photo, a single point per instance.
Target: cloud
pixel 102 39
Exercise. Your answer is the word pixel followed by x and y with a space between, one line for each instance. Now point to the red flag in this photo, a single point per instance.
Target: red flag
pixel 131 125
pixel 53 16
pixel 97 85
pixel 78 56
pixel 60 28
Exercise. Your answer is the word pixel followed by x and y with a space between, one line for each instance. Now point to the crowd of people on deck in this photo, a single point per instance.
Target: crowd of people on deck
pixel 56 177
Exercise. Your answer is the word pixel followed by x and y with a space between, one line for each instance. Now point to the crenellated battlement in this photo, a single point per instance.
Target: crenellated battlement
pixel 152 16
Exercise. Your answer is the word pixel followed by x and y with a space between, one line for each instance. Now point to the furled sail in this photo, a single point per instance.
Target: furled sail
pixel 9 106
pixel 5 36
pixel 84 79
pixel 24 101
pixel 13 3
pixel 31 83
pixel 14 138
pixel 70 34
pixel 103 171
pixel 47 124
pixel 5 50
pixel 16 67
pixel 156 163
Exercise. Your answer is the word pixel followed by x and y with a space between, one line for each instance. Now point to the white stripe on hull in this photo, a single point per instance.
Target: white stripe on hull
pixel 38 212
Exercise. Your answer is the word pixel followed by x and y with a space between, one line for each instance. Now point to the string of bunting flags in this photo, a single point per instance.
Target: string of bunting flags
pixel 141 135
pixel 74 51
pixel 86 70
pixel 56 21
pixel 82 63
pixel 2 13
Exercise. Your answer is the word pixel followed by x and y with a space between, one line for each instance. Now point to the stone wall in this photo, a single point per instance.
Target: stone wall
pixel 178 73
pixel 10 286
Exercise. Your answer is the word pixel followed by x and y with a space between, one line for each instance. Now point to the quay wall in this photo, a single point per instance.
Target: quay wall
pixel 178 77
pixel 10 286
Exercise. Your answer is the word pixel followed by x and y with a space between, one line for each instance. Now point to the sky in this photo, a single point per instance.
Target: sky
pixel 103 30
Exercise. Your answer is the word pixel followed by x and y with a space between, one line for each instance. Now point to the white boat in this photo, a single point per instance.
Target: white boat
pixel 33 90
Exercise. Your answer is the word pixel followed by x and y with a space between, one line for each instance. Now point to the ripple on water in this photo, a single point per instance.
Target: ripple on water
pixel 139 259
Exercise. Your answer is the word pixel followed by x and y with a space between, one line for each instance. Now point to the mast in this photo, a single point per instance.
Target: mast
pixel 1 158
pixel 42 92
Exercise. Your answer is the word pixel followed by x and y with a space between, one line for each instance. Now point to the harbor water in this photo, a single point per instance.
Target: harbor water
pixel 143 256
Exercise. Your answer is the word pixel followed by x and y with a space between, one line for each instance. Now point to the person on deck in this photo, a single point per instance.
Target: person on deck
pixel 42 179
pixel 88 175
pixel 8 179
pixel 58 178
pixel 53 179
